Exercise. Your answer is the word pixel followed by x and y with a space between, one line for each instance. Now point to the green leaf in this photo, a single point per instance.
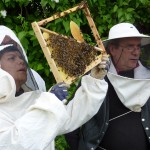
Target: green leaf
pixel 122 19
pixel 25 43
pixel 52 4
pixel 47 72
pixel 128 16
pixel 8 20
pixel 58 21
pixel 137 4
pixel 22 34
pixel 31 32
pixel 1 6
pixel 143 1
pixel 44 3
pixel 7 1
pixel 39 67
pixel 125 3
pixel 115 8
pixel 120 2
pixel 66 25
pixel 120 13
pixel 130 9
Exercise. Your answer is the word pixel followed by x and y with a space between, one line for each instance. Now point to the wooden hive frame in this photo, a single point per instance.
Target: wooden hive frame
pixel 42 33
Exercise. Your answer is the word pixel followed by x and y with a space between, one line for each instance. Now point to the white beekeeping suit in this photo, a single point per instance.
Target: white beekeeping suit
pixel 32 120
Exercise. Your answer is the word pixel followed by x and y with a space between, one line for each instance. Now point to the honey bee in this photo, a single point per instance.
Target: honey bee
pixel 72 57
pixel 45 22
pixel 58 14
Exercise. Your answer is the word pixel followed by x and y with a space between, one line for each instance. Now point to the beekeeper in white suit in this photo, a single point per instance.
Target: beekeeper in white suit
pixel 30 120
pixel 123 121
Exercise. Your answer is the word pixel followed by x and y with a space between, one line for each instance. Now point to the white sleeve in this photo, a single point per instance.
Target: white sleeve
pixel 32 129
pixel 37 128
pixel 48 117
pixel 86 102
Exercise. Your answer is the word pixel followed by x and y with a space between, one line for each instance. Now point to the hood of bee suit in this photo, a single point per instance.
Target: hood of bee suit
pixel 4 31
pixel 132 92
pixel 7 36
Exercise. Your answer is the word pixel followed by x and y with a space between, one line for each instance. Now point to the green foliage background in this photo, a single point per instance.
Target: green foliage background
pixel 105 13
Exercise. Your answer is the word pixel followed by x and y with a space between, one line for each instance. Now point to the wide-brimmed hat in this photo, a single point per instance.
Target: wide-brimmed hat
pixel 124 30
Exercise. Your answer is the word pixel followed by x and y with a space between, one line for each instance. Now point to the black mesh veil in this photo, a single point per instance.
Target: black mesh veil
pixel 145 56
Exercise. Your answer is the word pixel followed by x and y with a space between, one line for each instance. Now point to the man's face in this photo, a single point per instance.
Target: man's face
pixel 126 54
pixel 13 63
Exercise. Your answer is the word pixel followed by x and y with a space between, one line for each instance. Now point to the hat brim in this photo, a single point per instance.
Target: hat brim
pixel 145 39
pixel 4 46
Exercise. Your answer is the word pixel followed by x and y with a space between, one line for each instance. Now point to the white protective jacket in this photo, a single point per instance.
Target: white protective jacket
pixel 32 120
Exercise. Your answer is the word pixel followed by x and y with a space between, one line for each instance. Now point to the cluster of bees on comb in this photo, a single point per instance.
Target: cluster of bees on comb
pixel 70 55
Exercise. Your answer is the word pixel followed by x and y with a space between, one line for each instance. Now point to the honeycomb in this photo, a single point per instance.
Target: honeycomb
pixel 71 56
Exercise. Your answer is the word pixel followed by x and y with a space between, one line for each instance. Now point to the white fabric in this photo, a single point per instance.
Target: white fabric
pixel 140 72
pixel 4 46
pixel 6 31
pixel 32 120
pixel 133 93
pixel 7 87
pixel 123 30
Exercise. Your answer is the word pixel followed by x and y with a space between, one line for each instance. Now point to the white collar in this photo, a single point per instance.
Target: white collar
pixel 133 93
pixel 139 73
